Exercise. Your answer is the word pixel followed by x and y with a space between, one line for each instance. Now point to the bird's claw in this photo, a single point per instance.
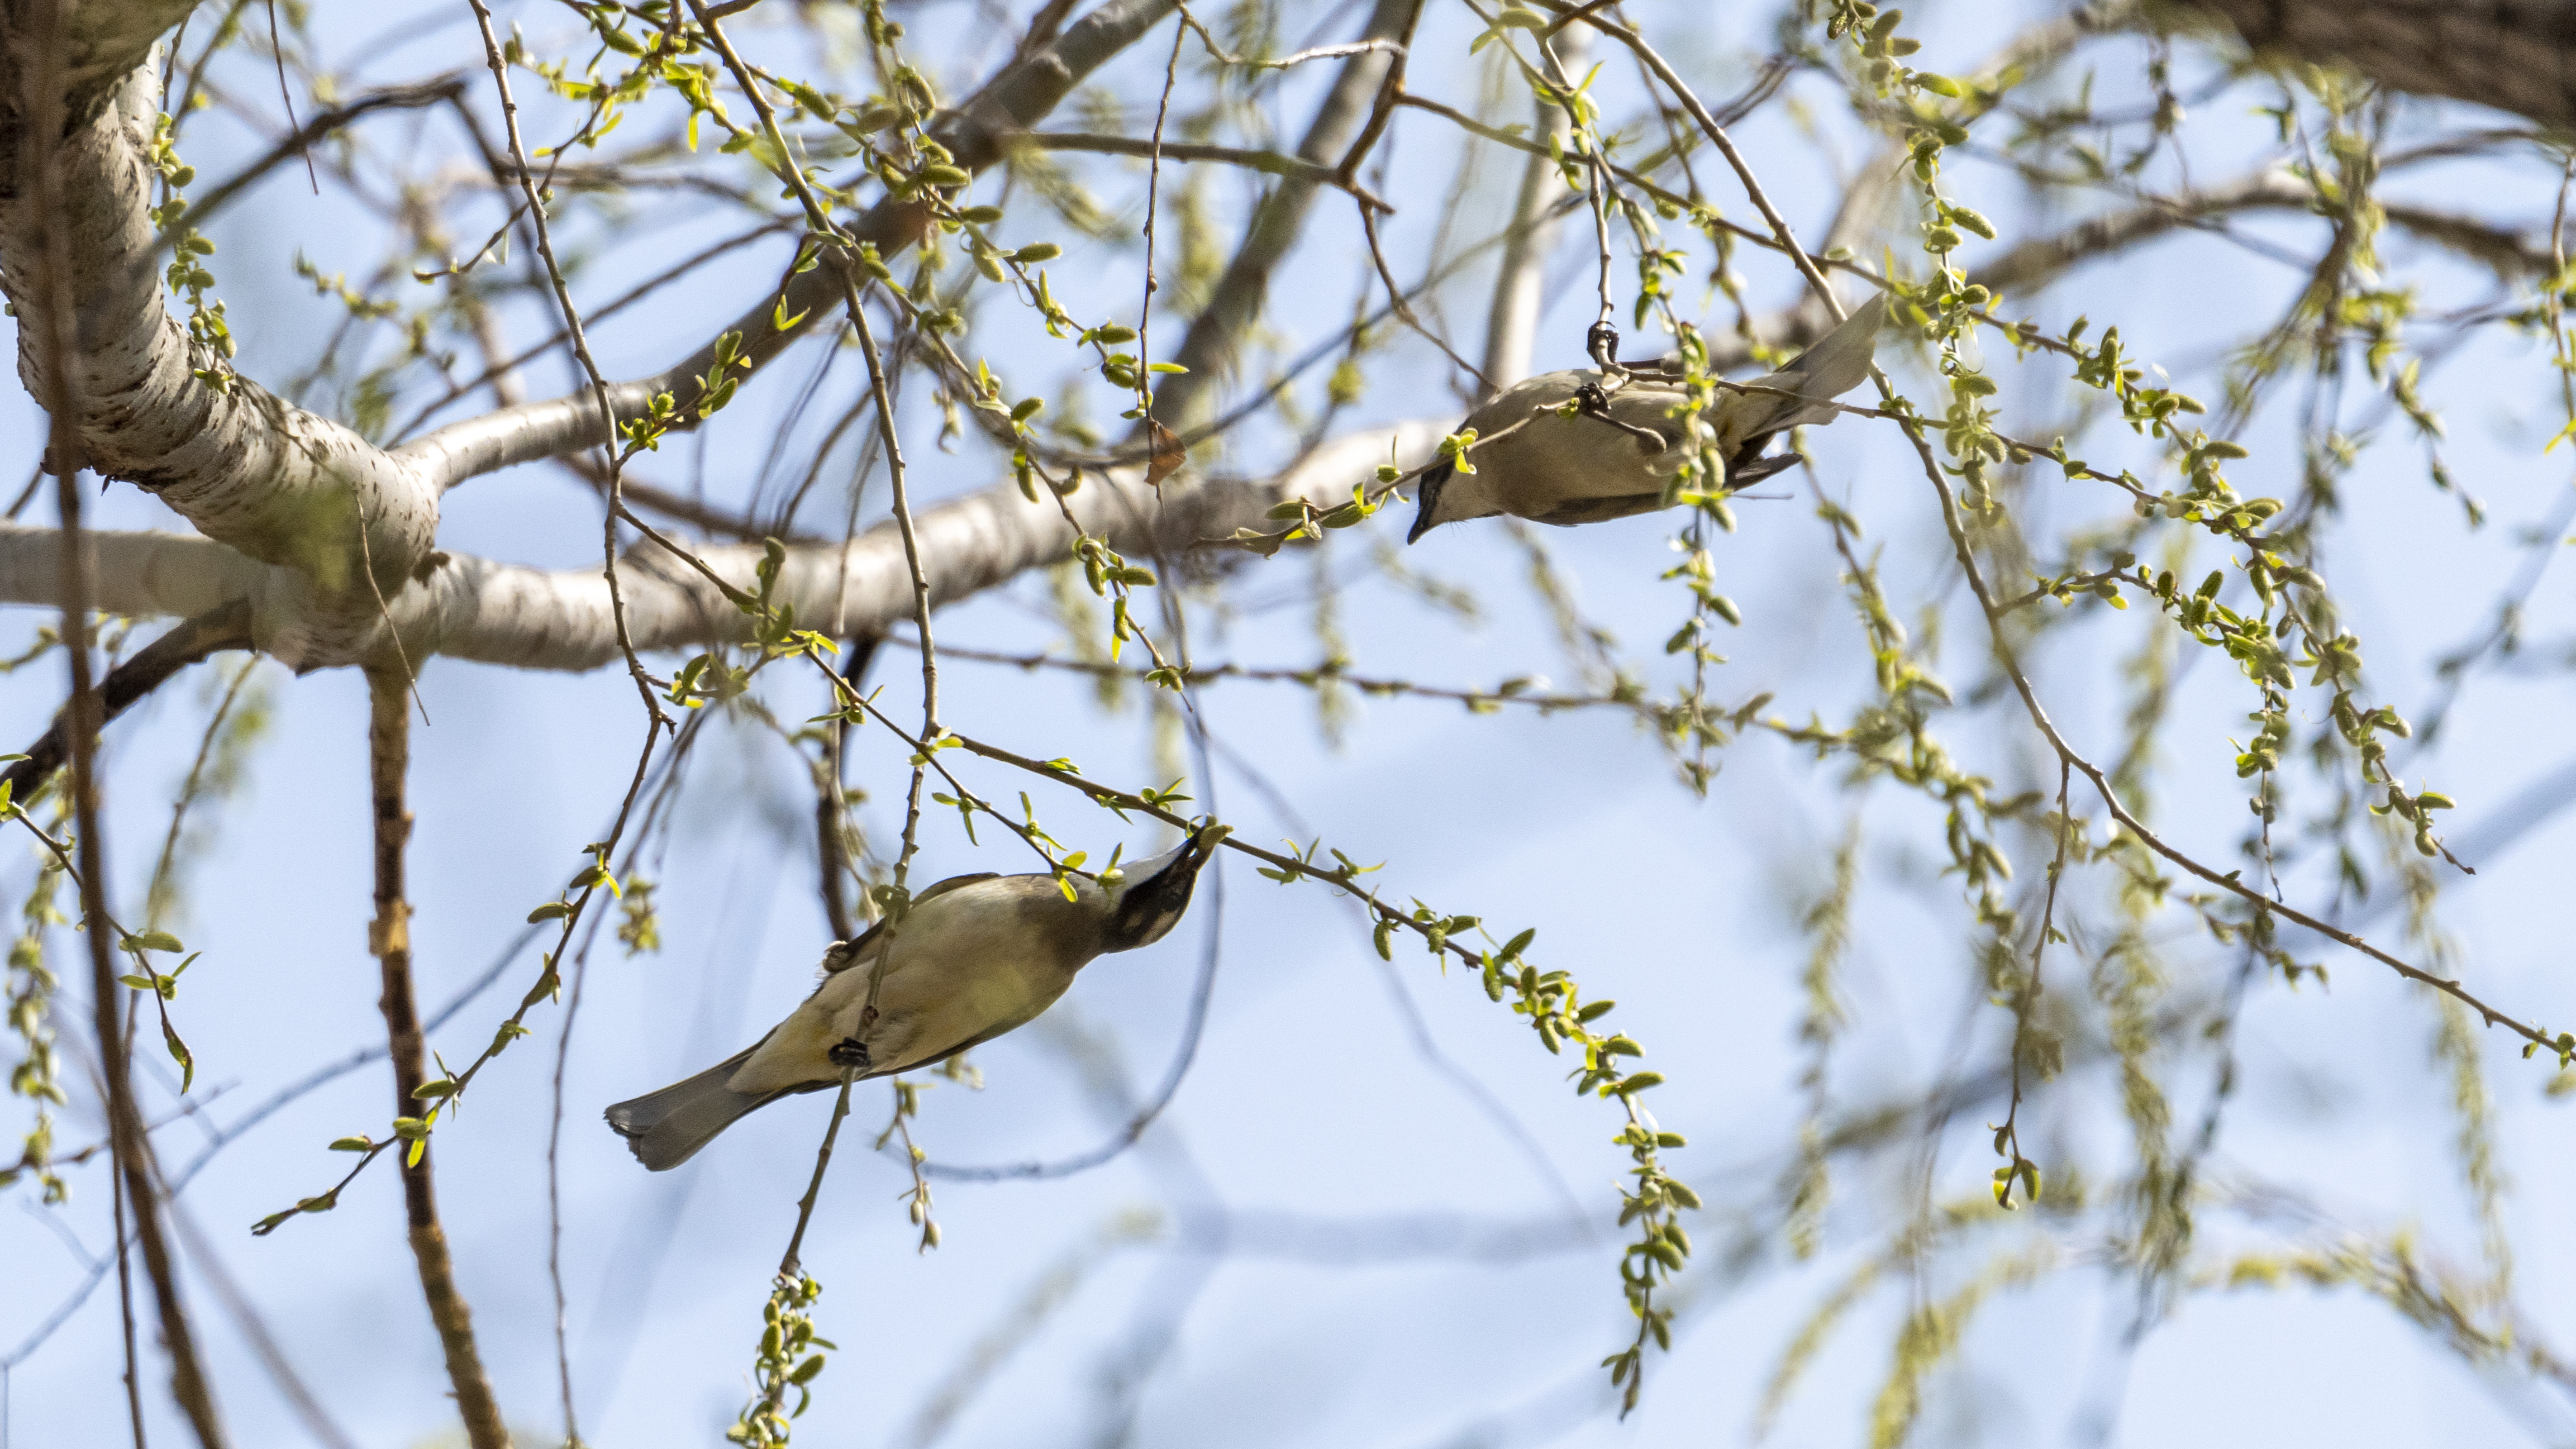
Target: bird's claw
pixel 849 1051
pixel 1602 341
pixel 1591 401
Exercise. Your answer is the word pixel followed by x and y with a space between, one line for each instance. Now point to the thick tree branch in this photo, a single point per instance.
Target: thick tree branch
pixel 532 618
pixel 274 482
pixel 2033 264
pixel 285 487
pixel 500 613
pixel 2514 55
pixel 102 42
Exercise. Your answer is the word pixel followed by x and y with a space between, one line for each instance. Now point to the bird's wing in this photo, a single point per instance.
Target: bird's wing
pixel 932 1059
pixel 863 948
pixel 955 882
pixel 1512 404
pixel 1602 509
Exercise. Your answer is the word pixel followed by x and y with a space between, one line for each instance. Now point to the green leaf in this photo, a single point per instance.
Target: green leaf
pixel 153 941
pixel 550 911
pixel 179 1053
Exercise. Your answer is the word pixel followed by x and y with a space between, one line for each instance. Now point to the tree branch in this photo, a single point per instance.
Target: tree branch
pixel 976 134
pixel 2034 264
pixel 1268 162
pixel 2514 55
pixel 46 45
pixel 389 940
pixel 248 469
pixel 1209 350
pixel 224 627
pixel 498 613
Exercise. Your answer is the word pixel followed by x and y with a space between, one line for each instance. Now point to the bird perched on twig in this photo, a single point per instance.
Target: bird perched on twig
pixel 975 956
pixel 1615 455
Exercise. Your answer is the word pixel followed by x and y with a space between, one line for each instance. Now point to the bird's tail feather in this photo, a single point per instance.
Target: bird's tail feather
pixel 1834 366
pixel 666 1128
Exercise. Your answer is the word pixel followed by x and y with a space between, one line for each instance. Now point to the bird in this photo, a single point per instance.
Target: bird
pixel 1582 469
pixel 973 957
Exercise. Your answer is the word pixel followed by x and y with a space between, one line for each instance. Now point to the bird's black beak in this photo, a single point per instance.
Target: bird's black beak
pixel 1201 847
pixel 1426 497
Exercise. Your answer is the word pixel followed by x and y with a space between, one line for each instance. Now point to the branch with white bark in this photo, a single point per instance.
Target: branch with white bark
pixel 280 495
pixel 499 613
pixel 354 526
pixel 270 480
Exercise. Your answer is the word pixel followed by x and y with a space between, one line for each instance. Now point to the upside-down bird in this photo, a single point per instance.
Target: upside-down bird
pixel 975 956
pixel 1585 469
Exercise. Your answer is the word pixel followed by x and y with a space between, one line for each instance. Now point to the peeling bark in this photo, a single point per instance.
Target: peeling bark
pixel 272 481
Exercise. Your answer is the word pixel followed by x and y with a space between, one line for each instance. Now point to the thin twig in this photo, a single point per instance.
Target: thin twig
pixel 792 1263
pixel 1404 310
pixel 1480 700
pixel 277 52
pixel 1271 163
pixel 820 218
pixel 1154 431
pixel 2026 1000
pixel 581 349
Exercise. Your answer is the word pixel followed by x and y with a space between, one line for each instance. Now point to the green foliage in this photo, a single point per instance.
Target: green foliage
pixel 787 1360
pixel 37 1075
pixel 186 275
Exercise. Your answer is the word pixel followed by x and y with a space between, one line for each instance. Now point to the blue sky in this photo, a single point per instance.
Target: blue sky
pixel 1400 1270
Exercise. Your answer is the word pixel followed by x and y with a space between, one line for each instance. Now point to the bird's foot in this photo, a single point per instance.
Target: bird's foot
pixel 1592 401
pixel 849 1052
pixel 1602 341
